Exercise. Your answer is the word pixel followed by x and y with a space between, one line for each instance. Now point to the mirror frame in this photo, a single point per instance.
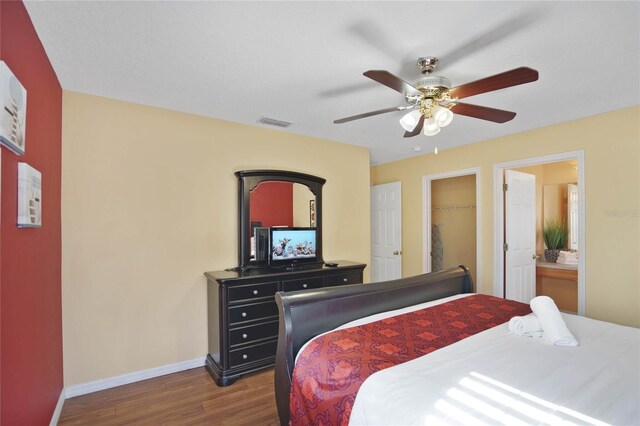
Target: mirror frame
pixel 247 181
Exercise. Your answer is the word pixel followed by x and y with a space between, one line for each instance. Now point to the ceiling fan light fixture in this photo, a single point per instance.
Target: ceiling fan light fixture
pixel 443 116
pixel 410 120
pixel 432 131
pixel 430 124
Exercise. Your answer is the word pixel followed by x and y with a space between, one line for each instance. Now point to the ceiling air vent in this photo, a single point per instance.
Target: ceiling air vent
pixel 274 122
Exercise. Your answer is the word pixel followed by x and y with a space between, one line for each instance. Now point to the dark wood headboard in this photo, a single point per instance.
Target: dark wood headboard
pixel 305 314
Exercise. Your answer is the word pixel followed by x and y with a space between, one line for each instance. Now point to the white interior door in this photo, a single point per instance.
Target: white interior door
pixel 520 236
pixel 572 213
pixel 386 232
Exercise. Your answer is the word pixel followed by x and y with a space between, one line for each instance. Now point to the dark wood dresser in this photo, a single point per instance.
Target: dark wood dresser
pixel 243 316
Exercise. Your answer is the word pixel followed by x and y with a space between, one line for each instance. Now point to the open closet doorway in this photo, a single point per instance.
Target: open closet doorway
pixel 451 221
pixel 556 212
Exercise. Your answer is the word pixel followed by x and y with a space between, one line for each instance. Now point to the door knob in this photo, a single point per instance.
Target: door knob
pixel 534 256
pixel 396 253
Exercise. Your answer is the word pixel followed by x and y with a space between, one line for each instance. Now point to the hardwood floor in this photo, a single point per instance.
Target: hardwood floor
pixel 186 398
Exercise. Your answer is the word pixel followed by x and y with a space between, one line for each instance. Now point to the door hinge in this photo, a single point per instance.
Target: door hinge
pixel 505 247
pixel 505 187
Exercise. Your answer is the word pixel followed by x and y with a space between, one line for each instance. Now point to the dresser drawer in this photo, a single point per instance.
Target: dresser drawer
pixel 252 291
pixel 342 279
pixel 252 333
pixel 252 353
pixel 303 284
pixel 252 312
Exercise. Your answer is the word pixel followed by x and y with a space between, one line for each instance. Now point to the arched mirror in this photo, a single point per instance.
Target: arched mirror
pixel 273 200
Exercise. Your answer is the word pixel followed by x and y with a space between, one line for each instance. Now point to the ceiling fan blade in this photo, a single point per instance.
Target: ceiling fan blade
pixel 393 82
pixel 483 113
pixel 503 80
pixel 416 130
pixel 371 113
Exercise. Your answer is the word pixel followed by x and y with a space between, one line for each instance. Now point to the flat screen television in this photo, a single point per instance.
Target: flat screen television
pixel 292 245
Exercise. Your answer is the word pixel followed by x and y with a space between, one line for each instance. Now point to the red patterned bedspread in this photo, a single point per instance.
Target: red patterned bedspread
pixel 331 369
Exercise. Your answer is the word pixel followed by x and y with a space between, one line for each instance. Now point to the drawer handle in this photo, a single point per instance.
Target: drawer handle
pixel 244 336
pixel 255 292
pixel 244 315
pixel 344 280
pixel 304 285
pixel 244 356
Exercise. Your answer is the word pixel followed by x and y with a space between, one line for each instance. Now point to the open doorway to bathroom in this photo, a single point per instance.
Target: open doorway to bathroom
pixel 556 215
pixel 451 221
pixel 525 266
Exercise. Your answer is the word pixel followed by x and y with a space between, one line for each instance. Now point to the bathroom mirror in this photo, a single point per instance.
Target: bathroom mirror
pixel 560 201
pixel 275 198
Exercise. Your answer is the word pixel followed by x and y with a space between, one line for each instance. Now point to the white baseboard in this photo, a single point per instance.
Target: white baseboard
pixel 112 382
pixel 58 410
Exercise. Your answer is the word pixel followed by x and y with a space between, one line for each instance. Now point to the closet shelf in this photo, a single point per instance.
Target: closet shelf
pixel 453 207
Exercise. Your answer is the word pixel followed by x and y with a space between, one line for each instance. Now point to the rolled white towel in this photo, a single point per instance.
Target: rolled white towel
pixel 554 330
pixel 526 326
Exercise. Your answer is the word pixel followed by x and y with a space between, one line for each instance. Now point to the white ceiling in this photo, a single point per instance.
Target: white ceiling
pixel 303 61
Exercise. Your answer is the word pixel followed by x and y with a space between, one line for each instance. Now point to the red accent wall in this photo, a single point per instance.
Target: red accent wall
pixel 272 204
pixel 30 259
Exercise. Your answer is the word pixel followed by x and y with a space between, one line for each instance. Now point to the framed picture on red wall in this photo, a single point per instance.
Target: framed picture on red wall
pixel 29 197
pixel 13 111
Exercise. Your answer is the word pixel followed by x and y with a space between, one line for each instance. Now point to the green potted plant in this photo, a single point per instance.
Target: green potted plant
pixel 555 235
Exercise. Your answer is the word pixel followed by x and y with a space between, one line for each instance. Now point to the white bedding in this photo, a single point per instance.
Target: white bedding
pixel 496 377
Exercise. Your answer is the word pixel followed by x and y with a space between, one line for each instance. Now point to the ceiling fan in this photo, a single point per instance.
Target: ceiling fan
pixel 433 102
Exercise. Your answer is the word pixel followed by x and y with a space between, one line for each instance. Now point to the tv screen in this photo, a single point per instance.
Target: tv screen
pixel 291 245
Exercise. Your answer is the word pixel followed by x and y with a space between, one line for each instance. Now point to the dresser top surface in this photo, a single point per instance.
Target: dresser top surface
pixel 272 272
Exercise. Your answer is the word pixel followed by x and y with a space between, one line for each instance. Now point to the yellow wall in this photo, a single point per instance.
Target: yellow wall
pixel 611 143
pixel 149 203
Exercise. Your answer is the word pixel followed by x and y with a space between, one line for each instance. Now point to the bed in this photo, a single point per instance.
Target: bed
pixel 488 376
